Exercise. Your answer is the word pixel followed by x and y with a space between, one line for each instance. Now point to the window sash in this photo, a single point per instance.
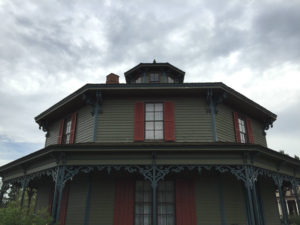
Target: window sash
pixel 154 124
pixel 243 130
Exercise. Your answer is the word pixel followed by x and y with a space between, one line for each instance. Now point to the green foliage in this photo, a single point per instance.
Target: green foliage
pixel 12 214
pixel 294 220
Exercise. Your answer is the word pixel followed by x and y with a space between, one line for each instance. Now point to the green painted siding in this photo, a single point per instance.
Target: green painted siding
pixel 258 133
pixel 192 122
pixel 102 201
pixel 77 200
pixel 234 201
pixel 207 201
pixel 85 125
pixel 270 207
pixel 43 194
pixel 224 124
pixel 52 134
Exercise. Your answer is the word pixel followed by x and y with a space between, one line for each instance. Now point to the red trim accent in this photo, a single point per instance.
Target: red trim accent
pixel 73 128
pixel 236 127
pixel 185 202
pixel 124 202
pixel 139 121
pixel 64 205
pixel 169 128
pixel 249 131
pixel 61 131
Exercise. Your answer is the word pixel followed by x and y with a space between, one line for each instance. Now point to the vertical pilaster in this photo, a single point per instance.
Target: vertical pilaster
pixel 221 200
pixel 88 202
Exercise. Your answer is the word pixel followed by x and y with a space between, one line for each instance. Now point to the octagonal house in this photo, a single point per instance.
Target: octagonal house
pixel 156 151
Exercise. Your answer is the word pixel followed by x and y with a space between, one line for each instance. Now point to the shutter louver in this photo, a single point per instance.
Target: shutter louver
pixel 64 205
pixel 236 127
pixel 185 203
pixel 61 131
pixel 124 202
pixel 249 131
pixel 73 128
pixel 139 121
pixel 169 129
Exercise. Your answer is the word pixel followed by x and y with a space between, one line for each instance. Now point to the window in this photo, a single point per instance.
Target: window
pixel 242 128
pixel 67 131
pixel 154 121
pixel 165 203
pixel 138 80
pixel 154 78
pixel 170 80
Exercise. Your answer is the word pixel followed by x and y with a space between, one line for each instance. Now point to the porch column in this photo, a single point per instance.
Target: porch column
pixel 295 189
pixel 154 190
pixel 259 220
pixel 278 181
pixel 2 192
pixel 24 186
pixel 59 185
pixel 248 185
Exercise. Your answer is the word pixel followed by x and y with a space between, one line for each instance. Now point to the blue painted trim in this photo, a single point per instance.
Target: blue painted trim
pixel 256 206
pixel 246 204
pixel 283 206
pixel 221 200
pixel 88 202
pixel 261 205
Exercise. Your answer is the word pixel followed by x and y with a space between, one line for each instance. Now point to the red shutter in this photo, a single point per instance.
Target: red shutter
pixel 61 131
pixel 73 128
pixel 64 205
pixel 139 121
pixel 185 203
pixel 169 130
pixel 236 127
pixel 249 131
pixel 124 202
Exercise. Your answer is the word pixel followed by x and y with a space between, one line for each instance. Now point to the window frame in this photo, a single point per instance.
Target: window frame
pixel 242 123
pixel 159 191
pixel 154 122
pixel 66 136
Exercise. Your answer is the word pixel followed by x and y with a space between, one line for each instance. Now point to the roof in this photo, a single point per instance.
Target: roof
pixel 234 97
pixel 167 66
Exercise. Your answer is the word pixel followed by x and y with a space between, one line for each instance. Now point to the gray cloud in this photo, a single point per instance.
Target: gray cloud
pixel 48 49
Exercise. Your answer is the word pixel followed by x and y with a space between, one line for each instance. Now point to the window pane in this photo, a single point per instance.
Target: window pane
pixel 242 138
pixel 161 209
pixel 147 196
pixel 147 220
pixel 139 196
pixel 158 115
pixel 147 208
pixel 170 220
pixel 162 220
pixel 149 116
pixel 67 138
pixel 170 80
pixel 138 208
pixel 150 125
pixel 147 186
pixel 139 80
pixel 159 135
pixel 138 220
pixel 158 125
pixel 170 209
pixel 158 107
pixel 139 185
pixel 149 135
pixel 169 185
pixel 149 107
pixel 169 197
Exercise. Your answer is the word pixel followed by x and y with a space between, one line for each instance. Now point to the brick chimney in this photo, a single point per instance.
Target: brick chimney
pixel 112 79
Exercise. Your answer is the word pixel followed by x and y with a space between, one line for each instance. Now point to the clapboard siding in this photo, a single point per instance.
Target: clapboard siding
pixel 77 200
pixel 102 201
pixel 234 201
pixel 224 124
pixel 269 202
pixel 85 125
pixel 207 201
pixel 52 134
pixel 43 194
pixel 192 122
pixel 258 133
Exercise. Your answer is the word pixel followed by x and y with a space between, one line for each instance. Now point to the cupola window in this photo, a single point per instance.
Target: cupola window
pixel 138 80
pixel 154 78
pixel 170 80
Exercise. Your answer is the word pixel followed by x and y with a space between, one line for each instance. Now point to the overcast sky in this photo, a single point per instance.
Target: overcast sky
pixel 48 49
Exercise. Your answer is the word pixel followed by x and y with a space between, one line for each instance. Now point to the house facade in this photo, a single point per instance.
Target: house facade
pixel 156 151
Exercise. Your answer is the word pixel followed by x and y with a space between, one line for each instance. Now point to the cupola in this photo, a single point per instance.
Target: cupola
pixel 154 73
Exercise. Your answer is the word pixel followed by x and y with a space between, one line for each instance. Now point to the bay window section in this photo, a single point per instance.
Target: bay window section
pixel 154 121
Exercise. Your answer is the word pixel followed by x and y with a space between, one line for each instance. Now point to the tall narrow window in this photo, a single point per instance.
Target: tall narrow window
pixel 165 203
pixel 67 131
pixel 154 129
pixel 242 128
